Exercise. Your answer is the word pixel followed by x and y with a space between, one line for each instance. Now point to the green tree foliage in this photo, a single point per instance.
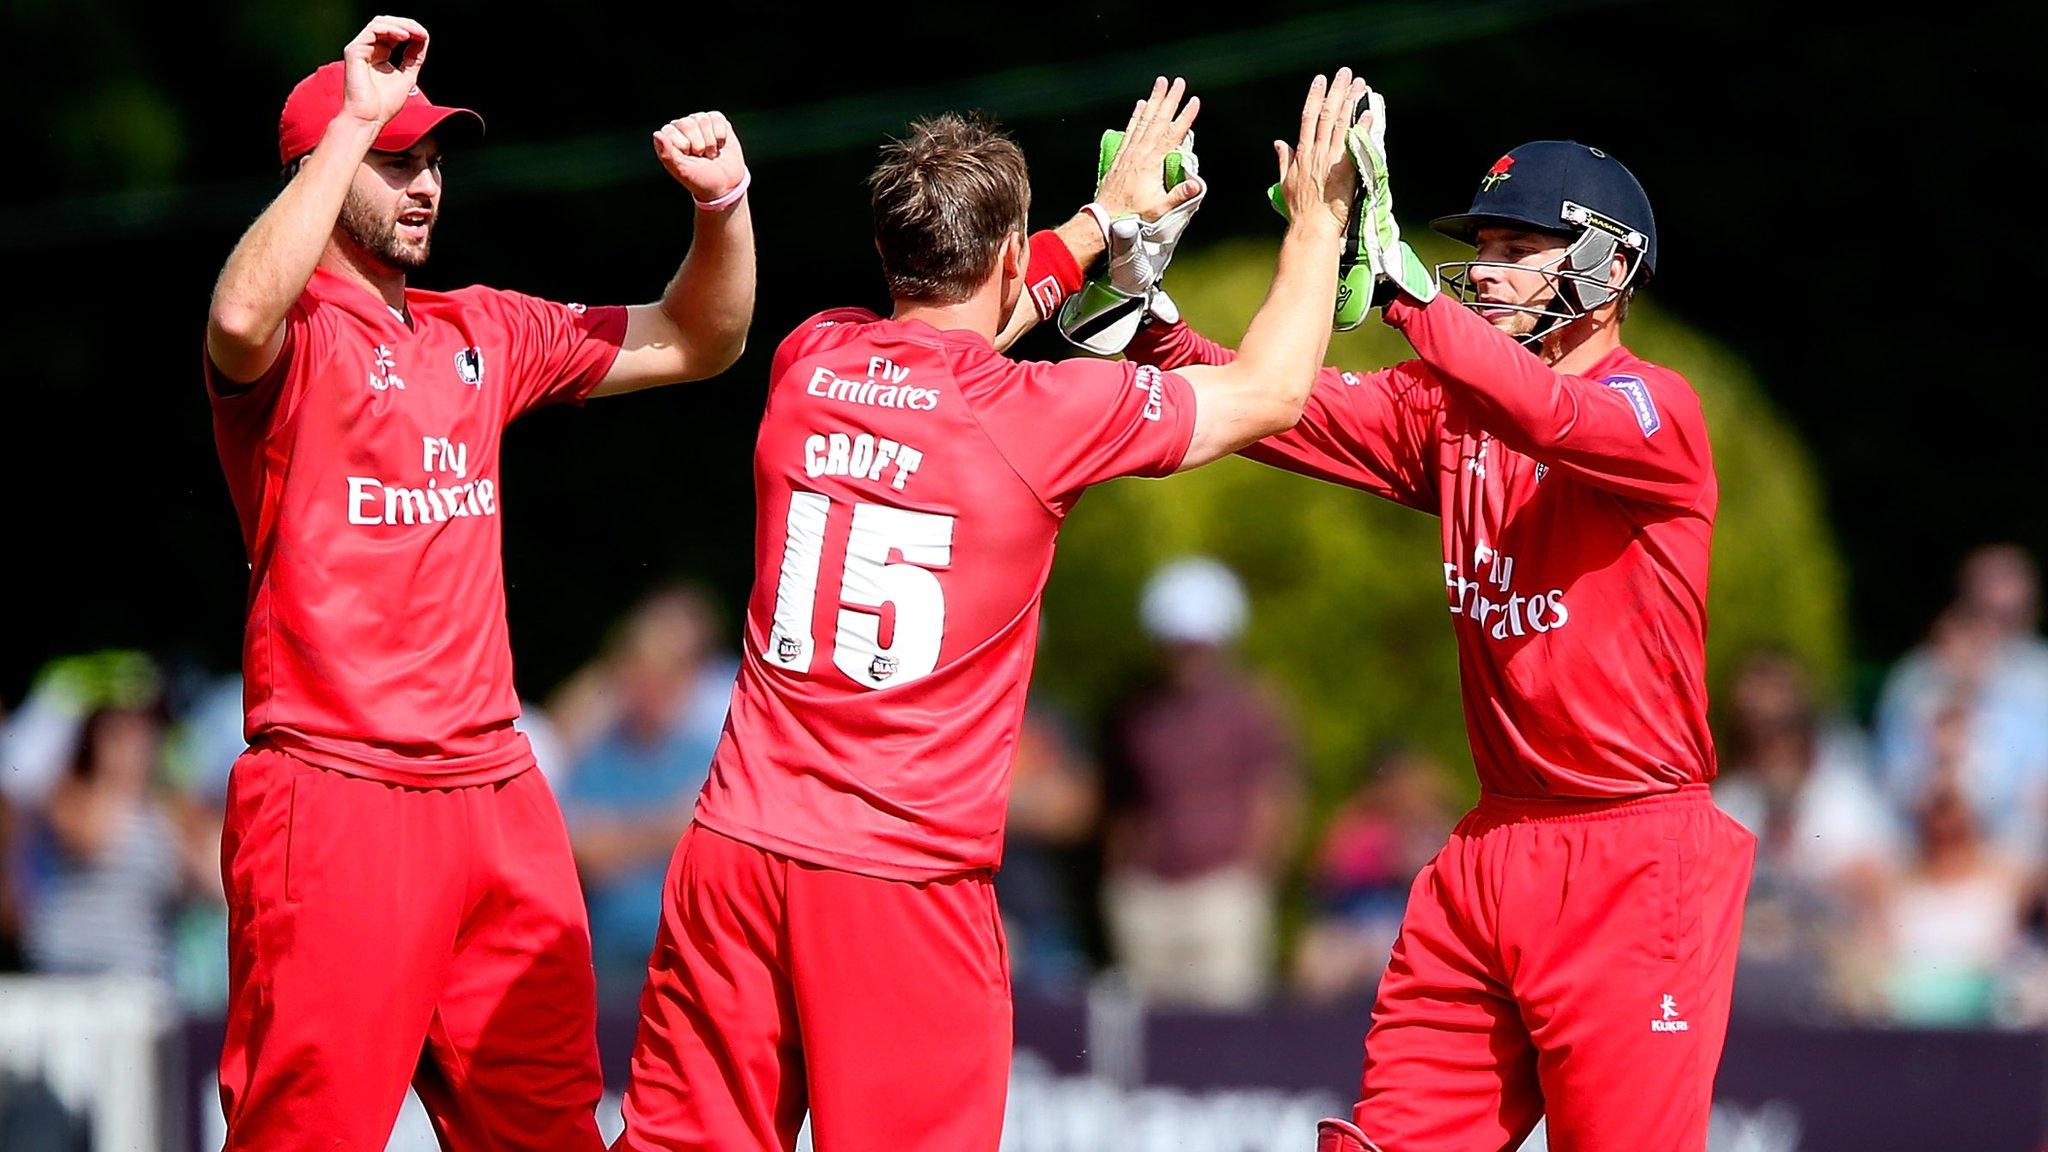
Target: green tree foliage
pixel 1348 614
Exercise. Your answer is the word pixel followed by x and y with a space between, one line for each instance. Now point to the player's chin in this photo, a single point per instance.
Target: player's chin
pixel 1512 323
pixel 409 255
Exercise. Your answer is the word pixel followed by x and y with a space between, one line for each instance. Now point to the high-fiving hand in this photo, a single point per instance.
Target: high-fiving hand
pixel 1317 173
pixel 1134 184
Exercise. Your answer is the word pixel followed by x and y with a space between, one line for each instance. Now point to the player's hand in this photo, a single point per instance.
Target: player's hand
pixel 702 152
pixel 380 68
pixel 1317 174
pixel 1378 234
pixel 1134 183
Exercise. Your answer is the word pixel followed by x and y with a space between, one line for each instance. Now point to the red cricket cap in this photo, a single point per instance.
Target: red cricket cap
pixel 316 101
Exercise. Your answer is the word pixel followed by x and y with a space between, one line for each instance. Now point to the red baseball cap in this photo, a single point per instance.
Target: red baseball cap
pixel 316 101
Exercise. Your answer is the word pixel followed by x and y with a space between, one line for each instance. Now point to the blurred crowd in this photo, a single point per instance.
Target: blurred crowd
pixel 1902 868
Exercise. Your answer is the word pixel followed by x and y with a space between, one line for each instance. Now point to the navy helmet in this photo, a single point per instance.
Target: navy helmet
pixel 1566 189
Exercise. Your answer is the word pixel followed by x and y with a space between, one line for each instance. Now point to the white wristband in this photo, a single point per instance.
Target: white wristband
pixel 730 198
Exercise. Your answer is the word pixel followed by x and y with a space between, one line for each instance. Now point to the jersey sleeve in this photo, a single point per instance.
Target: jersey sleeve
pixel 260 393
pixel 1372 431
pixel 246 413
pixel 559 351
pixel 1066 425
pixel 1638 433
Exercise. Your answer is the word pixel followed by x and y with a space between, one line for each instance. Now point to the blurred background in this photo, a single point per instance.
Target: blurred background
pixel 1245 735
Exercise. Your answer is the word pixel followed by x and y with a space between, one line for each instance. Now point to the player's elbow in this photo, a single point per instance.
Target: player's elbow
pixel 1280 415
pixel 1283 392
pixel 731 346
pixel 716 343
pixel 231 326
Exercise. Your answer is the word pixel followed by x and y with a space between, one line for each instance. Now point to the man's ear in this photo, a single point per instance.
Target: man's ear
pixel 1016 255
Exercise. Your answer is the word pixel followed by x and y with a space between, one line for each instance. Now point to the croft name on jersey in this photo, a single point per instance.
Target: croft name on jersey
pixel 859 454
pixel 1518 614
pixel 371 501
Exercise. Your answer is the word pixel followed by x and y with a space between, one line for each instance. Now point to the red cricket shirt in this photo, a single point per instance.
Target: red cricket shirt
pixel 909 485
pixel 1578 512
pixel 364 470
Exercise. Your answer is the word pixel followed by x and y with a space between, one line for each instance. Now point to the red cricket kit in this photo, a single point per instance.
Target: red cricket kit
pixel 830 938
pixel 402 902
pixel 1571 951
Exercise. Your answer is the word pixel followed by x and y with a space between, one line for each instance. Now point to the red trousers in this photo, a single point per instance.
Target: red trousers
pixel 380 935
pixel 882 1006
pixel 1564 959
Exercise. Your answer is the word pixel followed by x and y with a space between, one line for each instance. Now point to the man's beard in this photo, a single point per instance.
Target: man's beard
pixel 378 235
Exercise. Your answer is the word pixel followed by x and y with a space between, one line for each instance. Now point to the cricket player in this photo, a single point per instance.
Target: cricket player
pixel 403 906
pixel 830 939
pixel 1570 952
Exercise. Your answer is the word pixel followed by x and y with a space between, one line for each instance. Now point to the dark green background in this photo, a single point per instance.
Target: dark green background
pixel 1842 200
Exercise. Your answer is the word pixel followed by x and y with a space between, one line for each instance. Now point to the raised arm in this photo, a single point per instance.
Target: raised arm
pixel 275 258
pixel 1373 431
pixel 699 326
pixel 1639 434
pixel 1262 391
pixel 1132 186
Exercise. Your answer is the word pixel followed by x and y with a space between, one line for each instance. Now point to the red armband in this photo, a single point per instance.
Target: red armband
pixel 1051 275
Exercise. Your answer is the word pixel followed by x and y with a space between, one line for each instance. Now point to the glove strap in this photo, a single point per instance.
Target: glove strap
pixel 1100 215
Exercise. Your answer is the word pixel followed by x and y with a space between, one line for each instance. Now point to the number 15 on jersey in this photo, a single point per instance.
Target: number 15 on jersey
pixel 869 582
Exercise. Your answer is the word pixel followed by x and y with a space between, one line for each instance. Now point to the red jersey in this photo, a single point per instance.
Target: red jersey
pixel 1577 516
pixel 364 470
pixel 909 484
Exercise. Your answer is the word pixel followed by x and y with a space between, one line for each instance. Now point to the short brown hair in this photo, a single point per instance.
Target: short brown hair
pixel 944 196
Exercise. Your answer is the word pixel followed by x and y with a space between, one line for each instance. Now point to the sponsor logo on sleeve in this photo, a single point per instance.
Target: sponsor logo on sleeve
pixel 1638 394
pixel 1149 380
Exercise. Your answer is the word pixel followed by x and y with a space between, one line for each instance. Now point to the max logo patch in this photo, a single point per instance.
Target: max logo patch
pixel 1638 394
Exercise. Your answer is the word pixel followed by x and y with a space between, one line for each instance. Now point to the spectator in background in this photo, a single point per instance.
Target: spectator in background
pixel 1986 654
pixel 1201 795
pixel 203 745
pixel 110 853
pixel 1376 842
pixel 1826 838
pixel 640 726
pixel 1952 927
pixel 1055 801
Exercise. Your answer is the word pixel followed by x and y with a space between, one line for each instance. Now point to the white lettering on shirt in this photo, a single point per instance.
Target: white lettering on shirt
pixel 372 501
pixel 861 456
pixel 887 391
pixel 1517 615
